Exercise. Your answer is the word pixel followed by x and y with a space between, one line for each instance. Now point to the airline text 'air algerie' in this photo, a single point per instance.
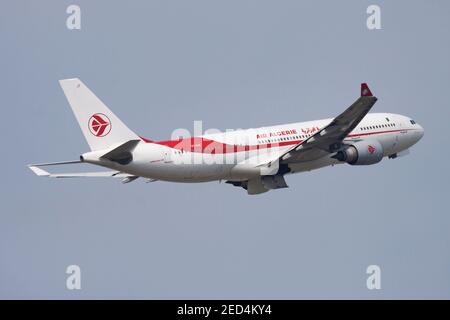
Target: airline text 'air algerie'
pixel 254 159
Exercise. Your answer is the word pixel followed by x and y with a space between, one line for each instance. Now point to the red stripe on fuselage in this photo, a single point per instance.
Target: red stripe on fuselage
pixel 204 145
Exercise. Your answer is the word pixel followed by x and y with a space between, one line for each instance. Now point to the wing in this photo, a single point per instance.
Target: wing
pixel 329 139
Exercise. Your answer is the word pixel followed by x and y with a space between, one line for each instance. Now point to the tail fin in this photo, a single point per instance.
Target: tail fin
pixel 100 126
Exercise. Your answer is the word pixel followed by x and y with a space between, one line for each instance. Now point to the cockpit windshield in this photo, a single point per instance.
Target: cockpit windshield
pixel 412 121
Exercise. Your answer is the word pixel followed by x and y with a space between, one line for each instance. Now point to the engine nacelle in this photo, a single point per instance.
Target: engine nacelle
pixel 361 153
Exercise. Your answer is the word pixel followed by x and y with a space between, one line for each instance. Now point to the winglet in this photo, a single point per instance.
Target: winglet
pixel 365 91
pixel 39 171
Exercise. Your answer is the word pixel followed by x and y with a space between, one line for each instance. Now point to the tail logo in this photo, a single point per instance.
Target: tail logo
pixel 99 125
pixel 371 149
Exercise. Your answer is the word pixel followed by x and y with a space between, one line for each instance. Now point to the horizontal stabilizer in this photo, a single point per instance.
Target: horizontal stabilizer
pixel 36 168
pixel 39 172
pixel 54 163
pixel 105 174
pixel 42 173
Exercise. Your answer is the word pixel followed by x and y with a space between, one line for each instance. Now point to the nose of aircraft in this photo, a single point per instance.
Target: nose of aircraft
pixel 420 132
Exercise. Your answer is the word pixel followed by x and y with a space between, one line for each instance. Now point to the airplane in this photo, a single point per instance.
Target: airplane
pixel 256 159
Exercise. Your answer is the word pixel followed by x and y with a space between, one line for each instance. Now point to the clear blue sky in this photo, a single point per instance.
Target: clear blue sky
pixel 160 65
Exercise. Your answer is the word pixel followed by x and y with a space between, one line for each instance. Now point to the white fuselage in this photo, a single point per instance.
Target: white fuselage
pixel 215 156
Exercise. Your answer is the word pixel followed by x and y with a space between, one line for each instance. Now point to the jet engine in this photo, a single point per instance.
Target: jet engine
pixel 361 153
